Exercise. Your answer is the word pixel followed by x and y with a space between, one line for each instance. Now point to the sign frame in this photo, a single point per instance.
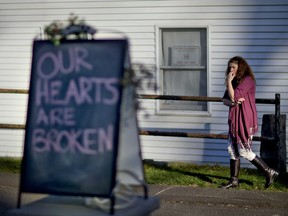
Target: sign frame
pixel 26 162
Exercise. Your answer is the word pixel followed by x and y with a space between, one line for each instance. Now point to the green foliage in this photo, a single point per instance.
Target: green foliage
pixel 10 165
pixel 56 30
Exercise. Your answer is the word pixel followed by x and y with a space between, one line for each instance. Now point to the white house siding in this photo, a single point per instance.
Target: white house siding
pixel 254 29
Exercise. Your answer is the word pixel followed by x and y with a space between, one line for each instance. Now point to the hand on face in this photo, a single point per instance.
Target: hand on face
pixel 233 67
pixel 230 76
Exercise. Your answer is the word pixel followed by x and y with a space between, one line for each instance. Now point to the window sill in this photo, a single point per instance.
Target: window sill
pixel 182 113
pixel 183 68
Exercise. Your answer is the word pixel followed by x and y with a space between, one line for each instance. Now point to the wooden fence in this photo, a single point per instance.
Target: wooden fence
pixel 278 142
pixel 275 101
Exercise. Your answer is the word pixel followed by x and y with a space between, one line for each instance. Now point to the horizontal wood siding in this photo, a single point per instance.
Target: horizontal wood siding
pixel 256 30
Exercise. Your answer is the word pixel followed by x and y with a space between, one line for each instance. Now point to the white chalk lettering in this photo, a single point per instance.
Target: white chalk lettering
pixel 42 117
pixel 80 56
pixel 56 116
pixel 90 141
pixel 86 87
pixel 55 89
pixel 42 92
pixel 65 87
pixel 109 86
pixel 81 91
pixel 60 62
pixel 50 64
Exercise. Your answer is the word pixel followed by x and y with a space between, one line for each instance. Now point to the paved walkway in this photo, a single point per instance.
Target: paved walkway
pixel 218 202
pixel 181 201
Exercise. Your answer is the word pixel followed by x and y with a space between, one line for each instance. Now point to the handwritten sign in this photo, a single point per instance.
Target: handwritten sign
pixel 73 117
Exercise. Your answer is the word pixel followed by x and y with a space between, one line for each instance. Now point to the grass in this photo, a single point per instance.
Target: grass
pixel 207 176
pixel 184 174
pixel 10 165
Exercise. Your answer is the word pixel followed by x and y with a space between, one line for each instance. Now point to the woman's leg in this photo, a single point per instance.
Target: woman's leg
pixel 234 173
pixel 234 166
pixel 269 173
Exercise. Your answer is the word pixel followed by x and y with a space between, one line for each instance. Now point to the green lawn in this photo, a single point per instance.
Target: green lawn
pixel 207 176
pixel 10 165
pixel 185 174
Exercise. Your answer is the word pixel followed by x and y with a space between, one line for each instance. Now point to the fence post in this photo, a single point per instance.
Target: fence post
pixel 274 153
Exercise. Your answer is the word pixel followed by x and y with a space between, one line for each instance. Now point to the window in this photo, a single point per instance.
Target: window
pixel 183 68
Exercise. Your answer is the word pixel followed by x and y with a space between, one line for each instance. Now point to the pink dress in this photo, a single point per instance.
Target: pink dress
pixel 242 119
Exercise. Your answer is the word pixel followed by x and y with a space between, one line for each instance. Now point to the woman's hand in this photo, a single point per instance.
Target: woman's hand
pixel 240 100
pixel 230 77
pixel 230 103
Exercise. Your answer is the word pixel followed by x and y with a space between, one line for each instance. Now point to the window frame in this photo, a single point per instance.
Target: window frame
pixel 159 71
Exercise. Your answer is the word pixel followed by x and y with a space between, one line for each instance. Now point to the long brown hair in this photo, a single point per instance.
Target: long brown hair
pixel 243 69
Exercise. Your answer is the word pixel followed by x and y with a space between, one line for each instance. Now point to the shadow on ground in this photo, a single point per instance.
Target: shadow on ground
pixel 280 182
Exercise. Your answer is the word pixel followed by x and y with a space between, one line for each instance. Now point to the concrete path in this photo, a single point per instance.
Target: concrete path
pixel 180 201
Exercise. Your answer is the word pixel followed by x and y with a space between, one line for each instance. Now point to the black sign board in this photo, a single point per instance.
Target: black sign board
pixel 73 117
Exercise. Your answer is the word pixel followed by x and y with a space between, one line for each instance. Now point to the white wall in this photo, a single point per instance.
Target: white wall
pixel 254 29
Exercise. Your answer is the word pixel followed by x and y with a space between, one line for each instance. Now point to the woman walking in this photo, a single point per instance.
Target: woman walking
pixel 242 120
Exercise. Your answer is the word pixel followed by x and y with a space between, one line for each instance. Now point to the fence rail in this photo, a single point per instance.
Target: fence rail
pixel 198 98
pixel 14 91
pixel 275 101
pixel 277 161
pixel 197 135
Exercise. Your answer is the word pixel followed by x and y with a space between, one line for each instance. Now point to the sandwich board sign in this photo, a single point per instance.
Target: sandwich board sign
pixel 77 121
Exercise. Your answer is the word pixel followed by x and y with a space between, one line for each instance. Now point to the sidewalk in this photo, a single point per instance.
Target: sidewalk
pixel 184 201
pixel 181 201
